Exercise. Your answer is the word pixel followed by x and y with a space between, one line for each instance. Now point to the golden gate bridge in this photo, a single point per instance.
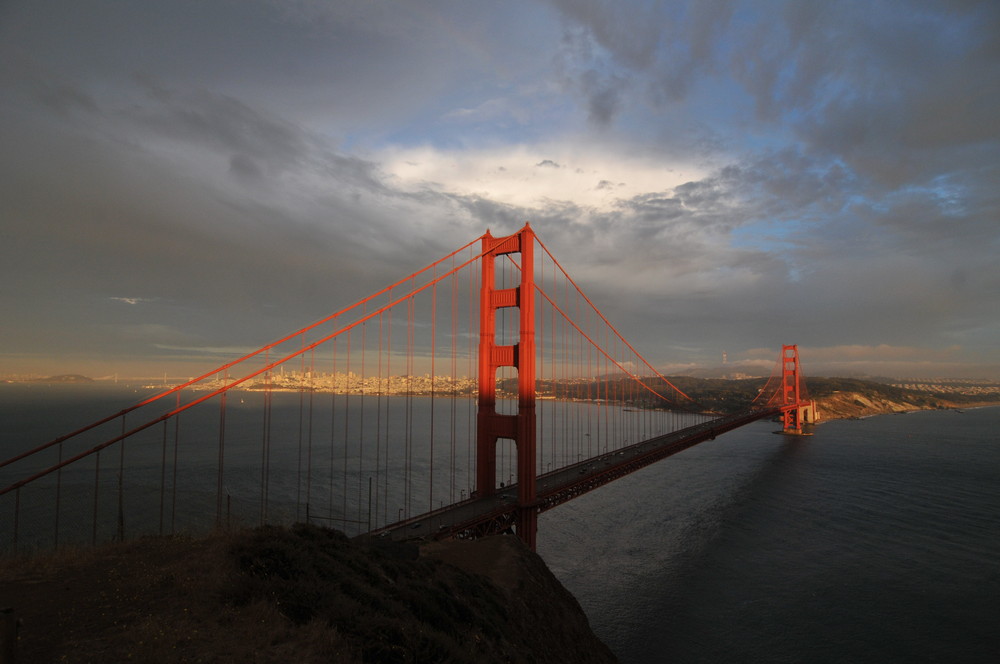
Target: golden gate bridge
pixel 460 401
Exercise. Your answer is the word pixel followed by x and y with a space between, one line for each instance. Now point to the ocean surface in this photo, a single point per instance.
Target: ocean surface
pixel 874 540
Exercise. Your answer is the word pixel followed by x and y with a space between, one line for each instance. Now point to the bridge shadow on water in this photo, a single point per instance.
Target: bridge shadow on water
pixel 656 543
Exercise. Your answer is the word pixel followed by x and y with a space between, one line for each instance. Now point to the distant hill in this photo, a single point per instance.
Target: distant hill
pixel 836 397
pixel 64 378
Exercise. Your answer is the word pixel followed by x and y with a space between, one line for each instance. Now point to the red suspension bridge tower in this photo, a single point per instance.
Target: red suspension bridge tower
pixel 797 410
pixel 491 425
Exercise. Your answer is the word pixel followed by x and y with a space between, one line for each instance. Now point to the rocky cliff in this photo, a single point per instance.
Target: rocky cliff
pixel 856 404
pixel 850 403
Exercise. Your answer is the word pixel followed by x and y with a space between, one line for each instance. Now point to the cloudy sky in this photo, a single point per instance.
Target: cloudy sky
pixel 183 178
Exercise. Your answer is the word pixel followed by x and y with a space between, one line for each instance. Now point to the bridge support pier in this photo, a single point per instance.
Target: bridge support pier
pixel 808 413
pixel 491 425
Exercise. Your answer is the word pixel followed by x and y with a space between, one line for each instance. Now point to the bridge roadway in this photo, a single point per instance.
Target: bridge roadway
pixel 497 513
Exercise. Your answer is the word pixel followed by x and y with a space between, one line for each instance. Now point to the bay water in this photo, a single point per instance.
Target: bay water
pixel 873 540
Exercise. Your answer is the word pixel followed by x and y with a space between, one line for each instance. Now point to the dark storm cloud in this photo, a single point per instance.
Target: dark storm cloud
pixel 655 207
pixel 41 85
pixel 905 100
pixel 633 35
pixel 675 40
pixel 896 90
pixel 219 122
pixel 603 97
pixel 244 167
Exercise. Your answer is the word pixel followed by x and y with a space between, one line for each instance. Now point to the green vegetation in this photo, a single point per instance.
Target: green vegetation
pixel 394 605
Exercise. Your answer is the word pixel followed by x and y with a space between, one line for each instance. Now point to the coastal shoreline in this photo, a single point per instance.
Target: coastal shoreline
pixel 854 405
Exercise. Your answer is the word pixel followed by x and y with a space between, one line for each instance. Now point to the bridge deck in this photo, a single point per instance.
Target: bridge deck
pixel 497 513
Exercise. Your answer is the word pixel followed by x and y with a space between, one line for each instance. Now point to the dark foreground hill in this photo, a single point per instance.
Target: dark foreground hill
pixel 304 594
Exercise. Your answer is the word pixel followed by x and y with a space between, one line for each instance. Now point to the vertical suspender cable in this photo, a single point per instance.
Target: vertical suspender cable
pixel 378 425
pixel 540 363
pixel 17 516
pixel 408 463
pixel 309 431
pixel 558 452
pixel 470 415
pixel 590 380
pixel 407 412
pixel 163 473
pixel 265 445
pixel 333 427
pixel 388 373
pixel 577 371
pixel 361 420
pixel 97 480
pixel 173 491
pixel 121 487
pixel 222 447
pixel 55 543
pixel 430 495
pixel 298 470
pixel 348 386
pixel 454 384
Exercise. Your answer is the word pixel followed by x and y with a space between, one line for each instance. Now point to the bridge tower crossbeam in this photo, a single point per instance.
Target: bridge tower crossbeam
pixel 491 425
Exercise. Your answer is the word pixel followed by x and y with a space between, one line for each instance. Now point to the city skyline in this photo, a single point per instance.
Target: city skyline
pixel 185 182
